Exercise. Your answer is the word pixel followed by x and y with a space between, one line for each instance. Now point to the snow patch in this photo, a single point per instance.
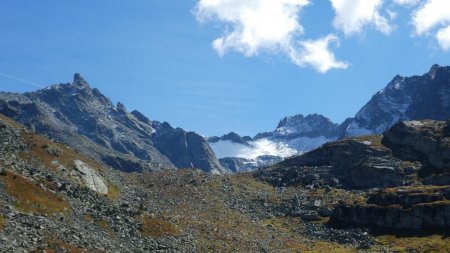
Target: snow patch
pixel 265 146
pixel 255 148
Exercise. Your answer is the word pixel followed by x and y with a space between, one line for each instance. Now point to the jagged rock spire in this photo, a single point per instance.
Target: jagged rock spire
pixel 79 80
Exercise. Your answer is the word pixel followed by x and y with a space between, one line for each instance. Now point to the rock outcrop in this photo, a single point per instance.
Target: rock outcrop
pixel 185 149
pixel 408 152
pixel 424 149
pixel 424 141
pixel 350 163
pixel 419 208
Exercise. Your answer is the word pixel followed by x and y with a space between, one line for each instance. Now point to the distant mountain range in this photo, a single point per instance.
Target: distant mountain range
pixel 404 98
pixel 83 118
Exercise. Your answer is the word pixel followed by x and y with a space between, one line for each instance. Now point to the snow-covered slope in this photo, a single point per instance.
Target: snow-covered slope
pixel 252 149
pixel 294 135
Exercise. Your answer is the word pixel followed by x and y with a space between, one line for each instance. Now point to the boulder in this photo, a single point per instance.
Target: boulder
pixel 90 177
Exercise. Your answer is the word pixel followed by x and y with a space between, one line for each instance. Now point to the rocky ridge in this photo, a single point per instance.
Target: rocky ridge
pixel 404 98
pixel 82 117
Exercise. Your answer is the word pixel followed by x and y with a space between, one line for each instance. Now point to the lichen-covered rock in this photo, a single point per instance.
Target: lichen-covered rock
pixel 90 177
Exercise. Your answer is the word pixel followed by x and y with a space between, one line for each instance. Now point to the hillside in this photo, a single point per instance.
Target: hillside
pixel 55 199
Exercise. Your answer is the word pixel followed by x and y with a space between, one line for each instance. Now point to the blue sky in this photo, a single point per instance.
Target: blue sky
pixel 157 56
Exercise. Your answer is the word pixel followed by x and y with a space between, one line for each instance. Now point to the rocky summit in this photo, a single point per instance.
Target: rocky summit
pixel 83 118
pixel 404 98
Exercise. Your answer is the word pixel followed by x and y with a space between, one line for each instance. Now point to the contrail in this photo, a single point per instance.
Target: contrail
pixel 21 80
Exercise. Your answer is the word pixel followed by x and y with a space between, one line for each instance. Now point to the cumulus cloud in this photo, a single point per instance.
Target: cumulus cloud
pixel 443 37
pixel 317 54
pixel 433 13
pixel 353 15
pixel 254 26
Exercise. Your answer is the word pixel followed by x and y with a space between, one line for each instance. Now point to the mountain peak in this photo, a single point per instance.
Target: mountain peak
pixel 435 67
pixel 407 98
pixel 121 107
pixel 433 70
pixel 312 125
pixel 301 119
pixel 79 80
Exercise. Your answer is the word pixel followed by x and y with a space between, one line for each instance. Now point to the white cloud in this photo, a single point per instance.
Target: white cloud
pixel 316 53
pixel 406 2
pixel 443 37
pixel 353 15
pixel 255 26
pixel 433 13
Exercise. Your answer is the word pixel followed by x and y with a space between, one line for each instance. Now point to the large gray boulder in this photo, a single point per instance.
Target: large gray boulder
pixel 89 177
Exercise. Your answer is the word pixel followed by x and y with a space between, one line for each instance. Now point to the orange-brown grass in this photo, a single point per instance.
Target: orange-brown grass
pixel 432 244
pixel 156 228
pixel 414 189
pixel 10 121
pixel 55 245
pixel 330 198
pixel 2 222
pixel 113 191
pixel 38 145
pixel 88 217
pixel 105 226
pixel 317 246
pixel 33 198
